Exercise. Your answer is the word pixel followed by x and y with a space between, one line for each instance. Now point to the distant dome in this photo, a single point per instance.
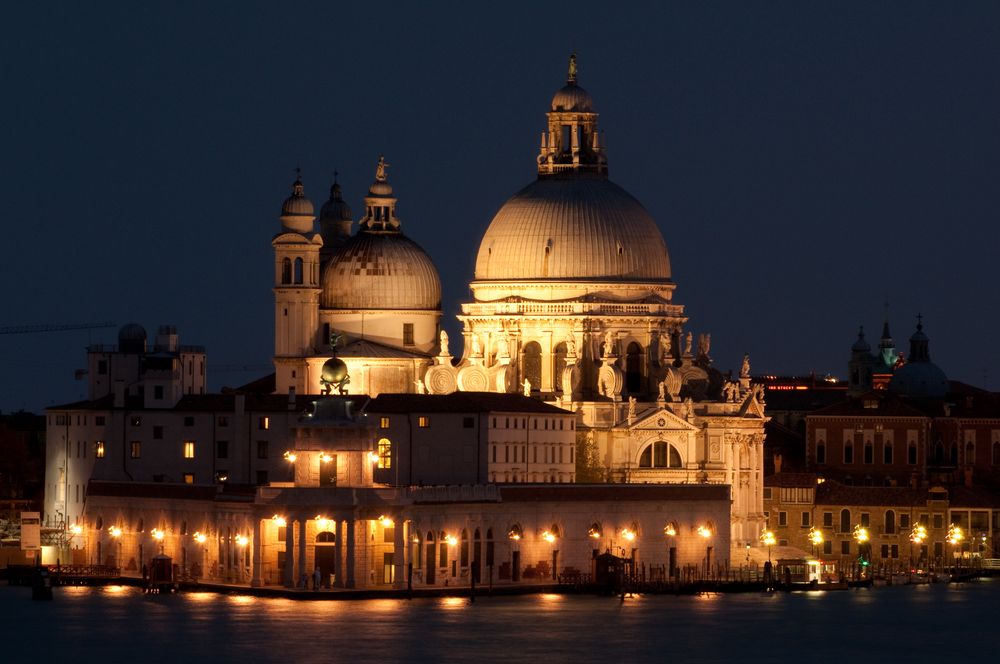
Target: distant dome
pixel 861 346
pixel 919 379
pixel 380 271
pixel 573 228
pixel 132 338
pixel 571 97
pixel 336 208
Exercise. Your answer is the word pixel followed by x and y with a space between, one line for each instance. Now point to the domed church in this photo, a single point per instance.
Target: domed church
pixel 572 302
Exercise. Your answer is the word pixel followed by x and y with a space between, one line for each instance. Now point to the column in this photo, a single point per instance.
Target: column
pixel 338 561
pixel 289 574
pixel 302 551
pixel 349 581
pixel 255 581
pixel 399 554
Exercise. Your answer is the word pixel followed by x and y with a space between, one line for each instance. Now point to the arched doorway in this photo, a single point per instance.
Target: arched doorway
pixel 531 365
pixel 326 556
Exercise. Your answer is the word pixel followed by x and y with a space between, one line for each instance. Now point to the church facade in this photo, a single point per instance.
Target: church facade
pixel 572 303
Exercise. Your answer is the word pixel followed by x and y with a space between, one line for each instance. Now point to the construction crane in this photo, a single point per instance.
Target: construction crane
pixel 33 329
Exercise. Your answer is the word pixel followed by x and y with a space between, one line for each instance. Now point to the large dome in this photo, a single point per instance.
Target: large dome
pixel 573 228
pixel 380 271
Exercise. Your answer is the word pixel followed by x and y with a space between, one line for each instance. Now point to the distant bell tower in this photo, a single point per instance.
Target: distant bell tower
pixel 296 290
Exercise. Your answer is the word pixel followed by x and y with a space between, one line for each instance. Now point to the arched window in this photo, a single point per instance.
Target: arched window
pixel 99 524
pixel 286 271
pixel 890 522
pixel 558 364
pixel 633 368
pixel 532 364
pixel 675 457
pixel 845 521
pixel 384 453
pixel 660 454
pixel 298 270
pixel 326 537
pixel 869 452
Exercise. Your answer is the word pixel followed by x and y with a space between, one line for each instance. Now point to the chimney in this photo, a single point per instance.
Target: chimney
pixel 777 464
pixel 119 394
pixel 291 397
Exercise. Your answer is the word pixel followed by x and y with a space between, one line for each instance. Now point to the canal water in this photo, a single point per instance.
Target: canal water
pixel 116 624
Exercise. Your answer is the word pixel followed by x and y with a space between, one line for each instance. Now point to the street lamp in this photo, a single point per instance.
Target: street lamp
pixel 816 537
pixel 861 536
pixel 116 533
pixel 955 535
pixel 768 539
pixel 917 536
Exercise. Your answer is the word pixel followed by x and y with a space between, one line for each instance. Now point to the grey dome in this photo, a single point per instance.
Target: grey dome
pixel 861 346
pixel 335 209
pixel 571 97
pixel 380 271
pixel 919 379
pixel 573 228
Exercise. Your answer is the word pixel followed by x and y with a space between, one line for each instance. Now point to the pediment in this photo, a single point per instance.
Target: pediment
pixel 752 408
pixel 658 419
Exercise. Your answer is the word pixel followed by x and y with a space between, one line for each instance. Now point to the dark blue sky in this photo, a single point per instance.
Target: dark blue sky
pixel 805 161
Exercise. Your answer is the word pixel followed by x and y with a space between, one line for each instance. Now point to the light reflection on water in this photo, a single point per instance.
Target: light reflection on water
pixel 120 624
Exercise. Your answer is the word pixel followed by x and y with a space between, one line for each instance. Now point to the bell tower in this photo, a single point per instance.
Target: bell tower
pixel 296 290
pixel 572 146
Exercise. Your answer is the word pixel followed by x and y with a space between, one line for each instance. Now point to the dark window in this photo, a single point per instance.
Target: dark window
pixel 828 547
pixel 102 367
pixel 261 477
pixel 223 421
pixel 845 547
pixel 866 520
pixel 531 356
pixel 805 519
pixel 408 334
pixel 188 420
pixel 286 271
pixel 99 420
pixel 904 520
pixel 887 454
pixel 828 519
pixel 633 368
pixel 468 422
pixel 157 391
pixel 298 271
pixel 869 453
pixel 261 449
pixel 911 454
pixel 890 522
pixel 222 449
pixel 845 521
pixel 996 454
pixel 158 433
pixel 848 453
pixel 782 518
pixel 821 452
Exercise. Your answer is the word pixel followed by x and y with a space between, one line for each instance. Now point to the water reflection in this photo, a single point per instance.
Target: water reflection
pixel 192 627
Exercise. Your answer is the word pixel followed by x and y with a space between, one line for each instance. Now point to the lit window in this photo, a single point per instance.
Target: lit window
pixel 383 423
pixel 188 449
pixel 99 449
pixel 385 453
pixel 188 478
pixel 135 449
pixel 264 423
pixel 423 421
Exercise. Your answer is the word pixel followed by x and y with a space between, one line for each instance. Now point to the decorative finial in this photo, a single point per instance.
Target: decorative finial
pixel 572 69
pixel 920 321
pixel 380 169
pixel 297 188
pixel 298 173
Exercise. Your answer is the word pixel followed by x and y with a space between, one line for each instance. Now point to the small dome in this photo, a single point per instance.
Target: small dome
pixel 572 97
pixel 919 379
pixel 861 346
pixel 297 205
pixel 132 338
pixel 380 188
pixel 375 270
pixel 335 209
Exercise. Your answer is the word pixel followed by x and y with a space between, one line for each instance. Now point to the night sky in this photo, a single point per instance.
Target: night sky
pixel 804 161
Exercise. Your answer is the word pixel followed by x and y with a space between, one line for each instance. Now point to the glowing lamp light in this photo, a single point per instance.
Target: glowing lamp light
pixel 115 531
pixel 918 534
pixel 514 533
pixel 76 529
pixel 386 521
pixel 199 537
pixel 628 534
pixel 157 534
pixel 767 538
pixel 242 540
pixel 955 534
pixel 416 539
pixel 450 539
pixel 372 457
pixel 704 531
pixel 322 522
pixel 325 458
pixel 861 534
pixel 291 456
pixel 816 537
pixel 670 530
pixel 594 532
pixel 548 537
pixel 279 521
